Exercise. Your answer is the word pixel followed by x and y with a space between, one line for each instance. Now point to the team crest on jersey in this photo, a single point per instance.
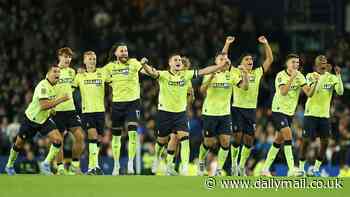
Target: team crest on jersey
pixel 70 73
pixel 279 79
pixel 251 78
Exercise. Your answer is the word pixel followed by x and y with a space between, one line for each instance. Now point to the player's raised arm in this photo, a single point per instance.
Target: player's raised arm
pixel 213 68
pixel 339 87
pixel 268 53
pixel 147 69
pixel 229 41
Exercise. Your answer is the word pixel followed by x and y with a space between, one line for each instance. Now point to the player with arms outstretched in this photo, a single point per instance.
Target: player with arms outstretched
pixel 171 116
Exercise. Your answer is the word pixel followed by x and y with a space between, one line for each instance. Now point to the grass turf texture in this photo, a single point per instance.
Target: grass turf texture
pixel 164 186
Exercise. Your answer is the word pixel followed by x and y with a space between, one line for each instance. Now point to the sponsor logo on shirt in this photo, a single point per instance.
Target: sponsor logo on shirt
pixel 177 83
pixel 123 71
pixel 327 86
pixel 220 85
pixel 65 80
pixel 97 82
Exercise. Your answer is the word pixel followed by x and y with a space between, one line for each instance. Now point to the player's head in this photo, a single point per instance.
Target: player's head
pixel 53 74
pixel 220 58
pixel 321 64
pixel 186 62
pixel 90 60
pixel 121 52
pixel 247 60
pixel 292 61
pixel 65 56
pixel 175 62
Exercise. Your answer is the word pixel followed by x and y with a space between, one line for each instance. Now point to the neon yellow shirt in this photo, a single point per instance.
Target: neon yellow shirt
pixel 319 103
pixel 173 90
pixel 288 103
pixel 44 90
pixel 92 90
pixel 125 80
pixel 218 98
pixel 64 86
pixel 248 98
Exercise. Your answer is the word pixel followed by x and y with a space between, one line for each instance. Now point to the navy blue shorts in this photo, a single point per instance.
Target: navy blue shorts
pixel 94 120
pixel 123 112
pixel 217 125
pixel 243 120
pixel 171 122
pixel 281 121
pixel 316 127
pixel 28 128
pixel 66 120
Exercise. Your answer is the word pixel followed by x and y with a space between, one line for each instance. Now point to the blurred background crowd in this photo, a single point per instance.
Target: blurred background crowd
pixel 32 31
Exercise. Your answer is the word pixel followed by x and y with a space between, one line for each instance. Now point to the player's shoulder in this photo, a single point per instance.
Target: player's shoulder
pixel 71 70
pixel 109 65
pixel 43 84
pixel 258 69
pixel 234 69
pixel 282 73
pixel 133 61
pixel 309 74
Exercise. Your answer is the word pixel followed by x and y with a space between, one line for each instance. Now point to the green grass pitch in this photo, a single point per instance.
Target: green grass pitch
pixel 164 186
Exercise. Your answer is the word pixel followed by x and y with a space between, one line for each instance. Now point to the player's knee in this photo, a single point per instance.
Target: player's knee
pixel 209 143
pixel 225 143
pixel 162 140
pixel 248 140
pixel 181 134
pixel 183 138
pixel 92 134
pixel 286 133
pixel 57 140
pixel 237 137
pixel 19 142
pixel 79 136
pixel 279 138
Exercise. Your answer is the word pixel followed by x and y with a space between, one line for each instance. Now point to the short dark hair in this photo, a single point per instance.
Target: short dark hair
pixel 174 54
pixel 292 55
pixel 243 55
